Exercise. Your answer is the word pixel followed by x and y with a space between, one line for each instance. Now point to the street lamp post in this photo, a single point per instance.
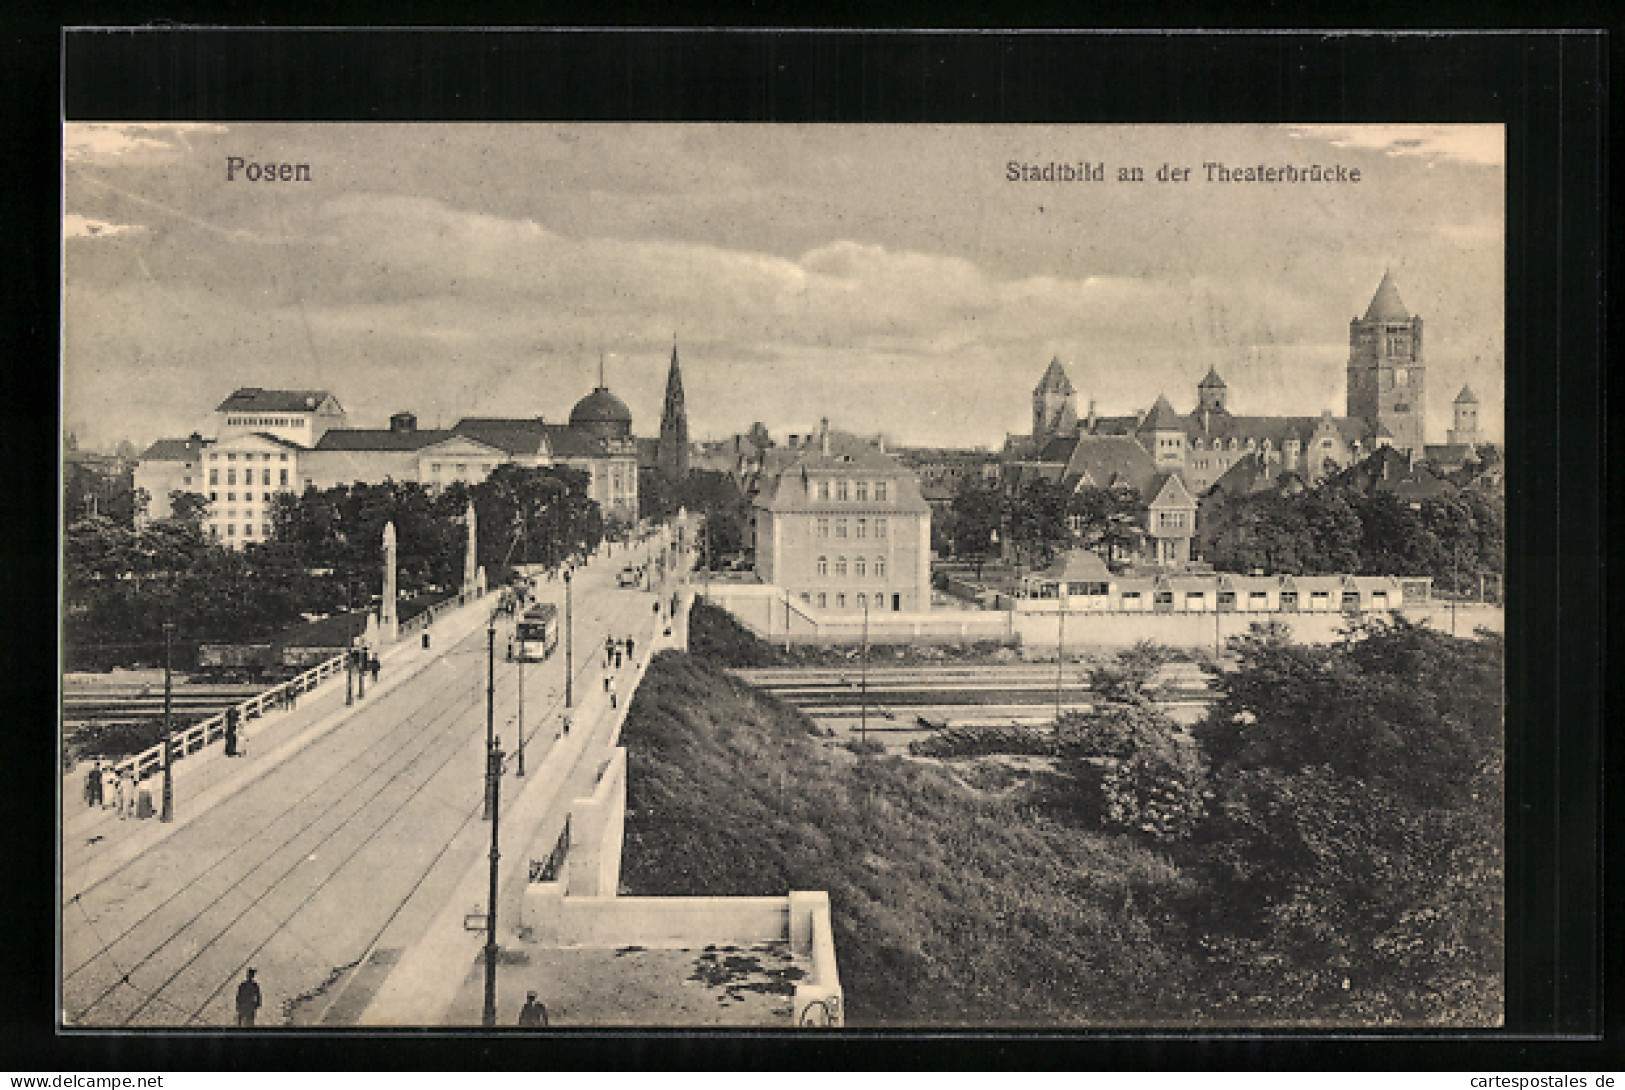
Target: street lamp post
pixel 1060 652
pixel 521 772
pixel 493 779
pixel 569 643
pixel 490 719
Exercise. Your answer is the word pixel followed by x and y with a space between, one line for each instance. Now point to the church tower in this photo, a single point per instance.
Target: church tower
pixel 1465 432
pixel 673 448
pixel 1053 413
pixel 1387 380
pixel 1210 393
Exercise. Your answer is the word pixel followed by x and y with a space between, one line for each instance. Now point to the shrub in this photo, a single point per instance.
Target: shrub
pixel 981 740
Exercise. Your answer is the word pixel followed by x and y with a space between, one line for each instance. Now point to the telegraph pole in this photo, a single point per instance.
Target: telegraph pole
pixel 1060 653
pixel 167 812
pixel 493 779
pixel 863 683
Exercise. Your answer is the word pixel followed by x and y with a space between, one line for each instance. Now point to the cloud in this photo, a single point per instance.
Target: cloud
pixel 77 226
pixel 1481 145
pixel 86 142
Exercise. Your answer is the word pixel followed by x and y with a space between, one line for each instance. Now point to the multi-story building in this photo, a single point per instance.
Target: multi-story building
pixel 840 525
pixel 274 442
pixel 1387 404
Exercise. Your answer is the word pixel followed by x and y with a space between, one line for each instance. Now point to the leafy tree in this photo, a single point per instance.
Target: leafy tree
pixel 978 512
pixel 1037 521
pixel 535 515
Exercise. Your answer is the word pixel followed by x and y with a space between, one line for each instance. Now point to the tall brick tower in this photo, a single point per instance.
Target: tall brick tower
pixel 673 448
pixel 1053 413
pixel 1387 379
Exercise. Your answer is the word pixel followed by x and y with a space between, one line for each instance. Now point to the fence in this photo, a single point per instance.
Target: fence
pixel 150 761
pixel 427 617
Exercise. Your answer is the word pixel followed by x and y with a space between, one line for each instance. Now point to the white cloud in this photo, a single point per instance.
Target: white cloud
pixel 1483 145
pixel 77 226
pixel 84 142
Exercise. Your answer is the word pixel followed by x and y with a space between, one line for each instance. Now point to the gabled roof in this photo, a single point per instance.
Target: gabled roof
pixel 1167 490
pixel 514 435
pixel 1106 461
pixel 782 485
pixel 1077 566
pixel 378 439
pixel 1249 473
pixel 1386 305
pixel 252 399
pixel 1162 417
pixel 453 442
pixel 1054 380
pixel 171 450
pixel 274 440
pixel 1466 397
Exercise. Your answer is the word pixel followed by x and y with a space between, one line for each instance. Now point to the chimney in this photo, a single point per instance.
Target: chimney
pixel 881 443
pixel 1090 419
pixel 403 423
pixel 823 435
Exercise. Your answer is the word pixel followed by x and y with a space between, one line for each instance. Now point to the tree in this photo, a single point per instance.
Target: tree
pixel 978 512
pixel 535 515
pixel 1038 525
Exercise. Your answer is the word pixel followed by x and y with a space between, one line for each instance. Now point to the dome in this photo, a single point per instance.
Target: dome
pixel 603 414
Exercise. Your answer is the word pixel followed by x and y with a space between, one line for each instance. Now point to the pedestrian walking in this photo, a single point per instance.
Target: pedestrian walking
pixel 293 696
pixel 425 640
pixel 126 788
pixel 377 664
pixel 93 787
pixel 609 651
pixel 248 1000
pixel 532 1013
pixel 611 681
pixel 109 786
pixel 606 683
pixel 617 658
pixel 231 732
pixel 629 646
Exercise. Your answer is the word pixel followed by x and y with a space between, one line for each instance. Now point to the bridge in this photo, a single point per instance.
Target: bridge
pixel 342 855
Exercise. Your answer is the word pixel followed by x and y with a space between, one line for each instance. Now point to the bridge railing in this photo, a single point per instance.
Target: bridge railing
pixel 200 735
pixel 424 619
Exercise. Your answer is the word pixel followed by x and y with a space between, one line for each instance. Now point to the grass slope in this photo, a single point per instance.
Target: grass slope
pixel 951 905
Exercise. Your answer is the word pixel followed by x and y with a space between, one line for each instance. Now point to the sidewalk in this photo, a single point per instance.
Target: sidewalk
pixel 422 987
pixel 96 843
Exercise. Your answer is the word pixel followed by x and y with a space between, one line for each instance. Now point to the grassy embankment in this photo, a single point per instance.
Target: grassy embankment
pixel 1346 870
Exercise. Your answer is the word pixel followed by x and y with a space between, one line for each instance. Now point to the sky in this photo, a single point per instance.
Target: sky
pixel 890 278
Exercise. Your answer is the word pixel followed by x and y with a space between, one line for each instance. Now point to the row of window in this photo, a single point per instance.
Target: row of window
pixel 860 601
pixel 248 477
pixel 860 525
pixel 248 497
pixel 265 421
pixel 858 491
pixel 248 456
pixel 860 566
pixel 248 529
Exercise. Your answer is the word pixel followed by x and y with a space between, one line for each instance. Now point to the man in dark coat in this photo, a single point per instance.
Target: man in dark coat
pixel 248 1000
pixel 532 1013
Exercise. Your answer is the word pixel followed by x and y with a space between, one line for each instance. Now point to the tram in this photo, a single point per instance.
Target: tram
pixel 536 634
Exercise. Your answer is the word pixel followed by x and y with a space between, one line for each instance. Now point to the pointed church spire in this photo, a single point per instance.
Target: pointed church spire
pixel 1386 305
pixel 673 446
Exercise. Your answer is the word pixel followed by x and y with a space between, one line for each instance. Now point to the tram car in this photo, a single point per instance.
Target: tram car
pixel 536 635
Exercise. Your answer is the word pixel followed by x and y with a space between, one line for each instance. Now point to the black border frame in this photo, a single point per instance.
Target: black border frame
pixel 1548 87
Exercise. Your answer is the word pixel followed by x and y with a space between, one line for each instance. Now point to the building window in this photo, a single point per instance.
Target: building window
pixel 1402 408
pixel 880 567
pixel 486 466
pixel 823 491
pixel 806 599
pixel 823 527
pixel 857 567
pixel 231 497
pixel 186 480
pixel 231 457
pixel 231 529
pixel 214 457
pixel 823 565
pixel 861 490
pixel 880 491
pixel 214 475
pixel 863 527
pixel 265 475
pixel 863 601
pixel 821 600
pixel 284 457
pixel 213 496
pixel 840 527
pixel 880 527
pixel 231 476
pixel 840 490
pixel 434 467
pixel 840 601
pixel 265 530
pixel 840 565
pixel 248 528
pixel 462 469
pixel 284 478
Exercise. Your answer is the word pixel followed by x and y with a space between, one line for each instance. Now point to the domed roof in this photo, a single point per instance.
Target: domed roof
pixel 600 407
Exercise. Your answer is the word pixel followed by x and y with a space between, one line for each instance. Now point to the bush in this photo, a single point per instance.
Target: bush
pixel 982 740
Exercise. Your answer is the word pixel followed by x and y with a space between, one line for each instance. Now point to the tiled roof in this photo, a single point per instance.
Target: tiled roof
pixel 1466 397
pixel 1077 566
pixel 782 485
pixel 1101 460
pixel 379 439
pixel 1212 381
pixel 1386 305
pixel 1167 490
pixel 252 399
pixel 1055 379
pixel 1162 417
pixel 1250 473
pixel 171 450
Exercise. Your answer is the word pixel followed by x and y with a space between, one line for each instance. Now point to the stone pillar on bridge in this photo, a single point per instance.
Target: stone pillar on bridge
pixel 389 628
pixel 470 563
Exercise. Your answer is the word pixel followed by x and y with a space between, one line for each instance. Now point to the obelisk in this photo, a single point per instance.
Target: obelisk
pixel 389 628
pixel 470 564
